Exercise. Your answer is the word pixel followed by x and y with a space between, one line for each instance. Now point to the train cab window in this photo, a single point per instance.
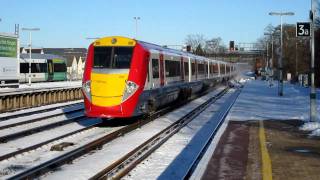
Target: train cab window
pixel 155 68
pixel 112 57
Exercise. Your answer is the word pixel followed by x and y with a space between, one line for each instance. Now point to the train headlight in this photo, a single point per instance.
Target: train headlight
pixel 130 89
pixel 86 88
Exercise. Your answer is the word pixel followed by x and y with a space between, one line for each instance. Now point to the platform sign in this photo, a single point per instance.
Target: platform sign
pixel 303 29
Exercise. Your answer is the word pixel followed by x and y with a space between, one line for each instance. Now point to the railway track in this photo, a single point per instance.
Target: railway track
pixel 15 114
pixel 71 110
pixel 17 128
pixel 125 164
pixel 75 153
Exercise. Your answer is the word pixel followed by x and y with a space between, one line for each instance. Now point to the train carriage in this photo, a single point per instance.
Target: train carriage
pixel 44 67
pixel 125 77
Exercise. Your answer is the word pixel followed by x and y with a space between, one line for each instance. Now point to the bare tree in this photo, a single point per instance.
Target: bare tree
pixel 194 40
pixel 214 45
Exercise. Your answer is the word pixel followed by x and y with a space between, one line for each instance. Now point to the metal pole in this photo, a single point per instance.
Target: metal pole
pixel 313 105
pixel 136 28
pixel 271 63
pixel 280 61
pixel 30 58
pixel 296 74
pixel 136 22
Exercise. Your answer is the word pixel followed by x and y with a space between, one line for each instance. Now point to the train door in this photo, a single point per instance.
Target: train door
pixel 50 69
pixel 154 70
pixel 161 70
pixel 208 68
pixel 196 66
pixel 182 68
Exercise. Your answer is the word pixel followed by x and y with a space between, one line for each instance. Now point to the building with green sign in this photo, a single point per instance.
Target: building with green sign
pixel 9 60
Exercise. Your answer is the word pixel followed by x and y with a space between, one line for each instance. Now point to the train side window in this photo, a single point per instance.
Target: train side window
pixel 43 67
pixel 24 67
pixel 172 68
pixel 201 69
pixel 186 69
pixel 155 68
pixel 206 68
pixel 193 68
pixel 222 68
pixel 35 68
pixel 215 68
pixel 60 67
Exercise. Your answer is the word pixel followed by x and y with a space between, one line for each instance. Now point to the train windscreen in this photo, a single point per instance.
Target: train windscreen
pixel 112 57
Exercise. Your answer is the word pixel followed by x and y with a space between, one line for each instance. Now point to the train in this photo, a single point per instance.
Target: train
pixel 44 67
pixel 125 77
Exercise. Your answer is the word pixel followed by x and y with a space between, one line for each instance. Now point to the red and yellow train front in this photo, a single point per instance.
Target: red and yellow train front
pixel 114 77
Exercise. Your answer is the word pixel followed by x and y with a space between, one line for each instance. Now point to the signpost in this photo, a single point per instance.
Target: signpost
pixel 303 29
pixel 306 29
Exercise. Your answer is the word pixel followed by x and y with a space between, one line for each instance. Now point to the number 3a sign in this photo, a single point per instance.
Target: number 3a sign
pixel 303 29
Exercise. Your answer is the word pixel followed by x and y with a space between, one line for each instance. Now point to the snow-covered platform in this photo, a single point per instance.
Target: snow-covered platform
pixel 267 136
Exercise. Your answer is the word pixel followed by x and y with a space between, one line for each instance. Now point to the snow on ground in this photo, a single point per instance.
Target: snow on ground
pixel 84 168
pixel 52 84
pixel 42 85
pixel 58 111
pixel 35 109
pixel 259 101
pixel 174 157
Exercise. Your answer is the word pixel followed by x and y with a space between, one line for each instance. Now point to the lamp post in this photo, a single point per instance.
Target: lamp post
pixel 280 89
pixel 30 48
pixel 272 35
pixel 136 21
pixel 90 38
pixel 313 105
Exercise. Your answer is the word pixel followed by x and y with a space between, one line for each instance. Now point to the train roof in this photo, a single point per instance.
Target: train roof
pixel 41 56
pixel 124 41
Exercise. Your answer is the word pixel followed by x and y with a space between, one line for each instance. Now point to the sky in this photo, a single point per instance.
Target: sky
pixel 68 23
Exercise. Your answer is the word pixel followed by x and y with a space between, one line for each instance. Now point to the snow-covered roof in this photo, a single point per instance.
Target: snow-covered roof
pixel 41 56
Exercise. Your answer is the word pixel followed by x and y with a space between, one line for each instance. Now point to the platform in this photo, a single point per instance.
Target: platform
pixel 263 139
pixel 41 85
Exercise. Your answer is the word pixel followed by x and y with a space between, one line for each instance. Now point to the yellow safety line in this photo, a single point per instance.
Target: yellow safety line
pixel 266 161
